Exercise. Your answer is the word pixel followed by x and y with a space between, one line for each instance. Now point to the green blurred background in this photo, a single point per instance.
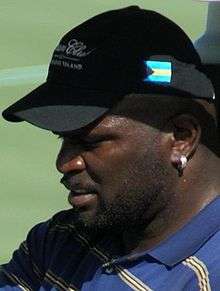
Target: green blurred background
pixel 29 29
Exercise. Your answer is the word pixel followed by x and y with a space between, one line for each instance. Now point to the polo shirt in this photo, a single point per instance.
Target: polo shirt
pixel 56 256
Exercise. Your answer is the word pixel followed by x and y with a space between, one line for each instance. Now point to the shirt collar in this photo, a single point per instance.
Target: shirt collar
pixel 182 243
pixel 190 238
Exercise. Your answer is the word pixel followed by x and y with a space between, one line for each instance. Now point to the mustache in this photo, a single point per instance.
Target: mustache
pixel 73 185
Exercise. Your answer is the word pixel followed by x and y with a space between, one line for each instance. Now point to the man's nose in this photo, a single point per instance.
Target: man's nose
pixel 74 164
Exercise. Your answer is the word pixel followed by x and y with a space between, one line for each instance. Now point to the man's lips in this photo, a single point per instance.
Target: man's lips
pixel 80 195
pixel 81 199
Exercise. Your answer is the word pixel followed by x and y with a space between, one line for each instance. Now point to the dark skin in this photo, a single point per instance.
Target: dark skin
pixel 130 168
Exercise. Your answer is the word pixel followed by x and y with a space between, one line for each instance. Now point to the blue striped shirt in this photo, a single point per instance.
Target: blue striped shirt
pixel 55 256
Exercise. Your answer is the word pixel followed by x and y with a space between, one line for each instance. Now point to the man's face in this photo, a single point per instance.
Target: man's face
pixel 116 173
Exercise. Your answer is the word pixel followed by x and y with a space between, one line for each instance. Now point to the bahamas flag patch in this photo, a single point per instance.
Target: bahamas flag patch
pixel 158 72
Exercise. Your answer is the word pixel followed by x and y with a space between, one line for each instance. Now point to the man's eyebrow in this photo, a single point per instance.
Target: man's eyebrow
pixel 94 135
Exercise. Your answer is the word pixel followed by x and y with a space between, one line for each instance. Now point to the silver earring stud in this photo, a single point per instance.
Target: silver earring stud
pixel 183 161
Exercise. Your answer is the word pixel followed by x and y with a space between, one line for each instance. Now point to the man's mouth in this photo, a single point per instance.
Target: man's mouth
pixel 82 197
pixel 80 191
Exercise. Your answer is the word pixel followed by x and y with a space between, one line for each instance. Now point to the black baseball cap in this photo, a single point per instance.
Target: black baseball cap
pixel 97 63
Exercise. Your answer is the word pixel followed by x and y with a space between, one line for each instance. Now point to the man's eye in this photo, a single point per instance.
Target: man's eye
pixel 87 144
pixel 91 144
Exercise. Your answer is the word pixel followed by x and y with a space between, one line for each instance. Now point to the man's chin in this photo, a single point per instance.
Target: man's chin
pixel 91 223
pixel 97 225
pixel 84 219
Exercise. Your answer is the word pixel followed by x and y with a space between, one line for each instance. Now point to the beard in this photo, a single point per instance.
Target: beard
pixel 133 199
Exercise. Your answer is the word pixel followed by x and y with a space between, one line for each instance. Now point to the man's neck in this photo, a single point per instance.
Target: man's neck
pixel 165 223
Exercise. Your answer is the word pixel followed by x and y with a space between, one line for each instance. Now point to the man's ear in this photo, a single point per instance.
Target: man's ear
pixel 186 136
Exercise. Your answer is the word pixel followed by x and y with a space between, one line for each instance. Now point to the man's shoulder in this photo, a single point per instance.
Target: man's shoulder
pixel 53 238
pixel 49 246
pixel 55 229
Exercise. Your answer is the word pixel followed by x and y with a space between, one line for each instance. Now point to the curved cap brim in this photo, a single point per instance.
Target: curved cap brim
pixel 59 108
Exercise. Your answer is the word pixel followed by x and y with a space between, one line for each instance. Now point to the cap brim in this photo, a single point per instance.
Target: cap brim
pixel 59 108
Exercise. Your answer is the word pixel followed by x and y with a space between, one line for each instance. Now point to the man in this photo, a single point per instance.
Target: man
pixel 140 158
